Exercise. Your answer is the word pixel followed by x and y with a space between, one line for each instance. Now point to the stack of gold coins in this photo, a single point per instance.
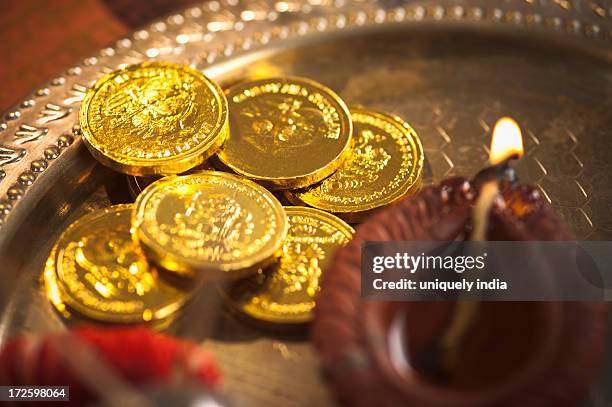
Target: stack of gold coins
pixel 97 270
pixel 284 293
pixel 216 220
pixel 385 166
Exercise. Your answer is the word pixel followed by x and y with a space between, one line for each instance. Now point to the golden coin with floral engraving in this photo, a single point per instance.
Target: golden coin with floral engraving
pixel 386 165
pixel 284 293
pixel 154 118
pixel 98 271
pixel 210 222
pixel 286 132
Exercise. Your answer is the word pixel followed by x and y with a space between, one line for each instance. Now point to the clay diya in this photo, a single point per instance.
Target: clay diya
pixel 432 354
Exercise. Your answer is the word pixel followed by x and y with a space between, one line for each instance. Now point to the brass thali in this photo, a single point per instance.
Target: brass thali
pixel 450 68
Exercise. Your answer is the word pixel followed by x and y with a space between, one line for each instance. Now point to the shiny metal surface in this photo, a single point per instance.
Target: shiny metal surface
pixel 284 293
pixel 449 68
pixel 130 132
pixel 384 167
pixel 105 276
pixel 170 214
pixel 286 132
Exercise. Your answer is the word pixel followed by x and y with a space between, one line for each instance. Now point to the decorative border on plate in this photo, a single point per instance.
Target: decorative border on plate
pixel 39 129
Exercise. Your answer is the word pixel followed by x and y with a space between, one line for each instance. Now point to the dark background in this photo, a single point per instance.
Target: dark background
pixel 39 39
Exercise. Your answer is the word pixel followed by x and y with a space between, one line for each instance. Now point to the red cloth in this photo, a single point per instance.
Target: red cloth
pixel 138 355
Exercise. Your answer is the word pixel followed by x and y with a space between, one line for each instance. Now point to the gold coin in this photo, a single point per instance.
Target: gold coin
pixel 286 132
pixel 97 270
pixel 210 222
pixel 284 293
pixel 386 164
pixel 154 118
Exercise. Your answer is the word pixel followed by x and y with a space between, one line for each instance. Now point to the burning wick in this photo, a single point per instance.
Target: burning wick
pixel 506 145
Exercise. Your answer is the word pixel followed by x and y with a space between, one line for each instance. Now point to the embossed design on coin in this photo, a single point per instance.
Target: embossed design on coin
pixel 154 118
pixel 110 262
pixel 280 122
pixel 209 221
pixel 105 275
pixel 285 292
pixel 216 220
pixel 364 167
pixel 286 132
pixel 385 165
pixel 147 109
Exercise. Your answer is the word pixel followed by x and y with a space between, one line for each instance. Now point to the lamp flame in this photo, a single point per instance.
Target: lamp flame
pixel 507 141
